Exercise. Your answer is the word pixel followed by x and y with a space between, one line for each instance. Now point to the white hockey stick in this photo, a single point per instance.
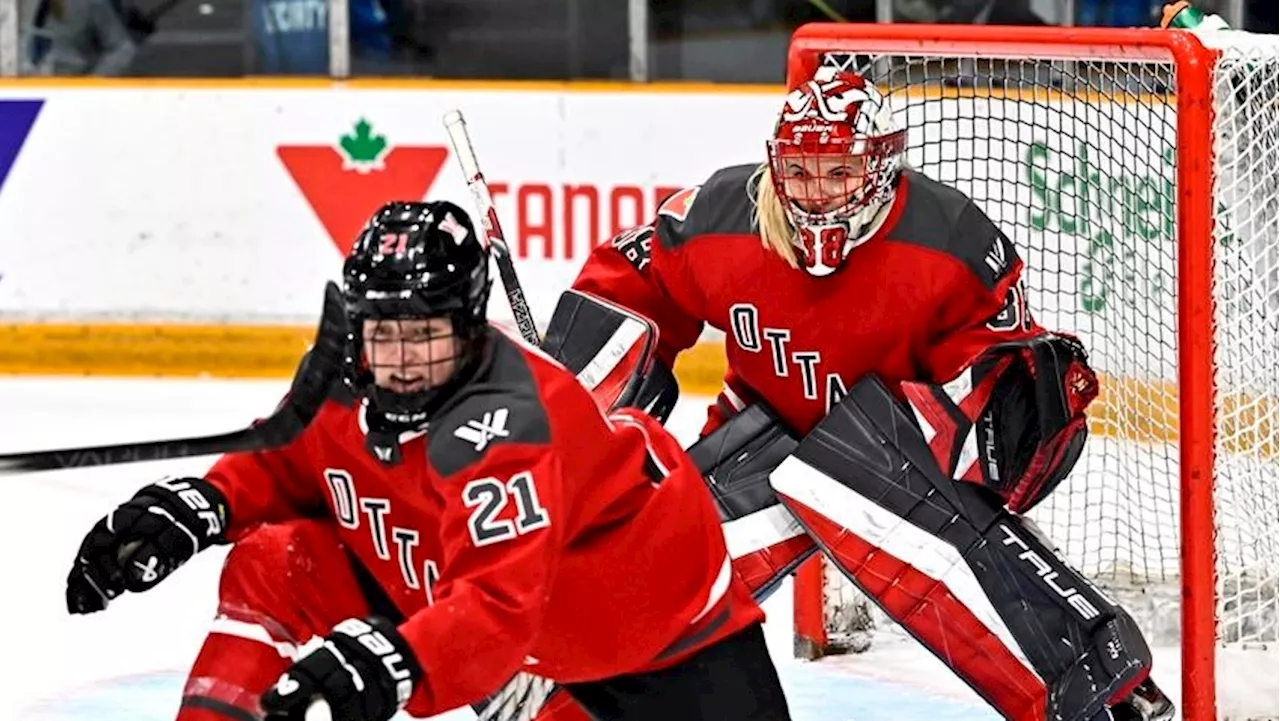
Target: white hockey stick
pixel 522 696
pixel 497 242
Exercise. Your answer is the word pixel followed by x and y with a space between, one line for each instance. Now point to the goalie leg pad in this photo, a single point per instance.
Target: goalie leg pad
pixel 765 541
pixel 1068 627
pixel 977 586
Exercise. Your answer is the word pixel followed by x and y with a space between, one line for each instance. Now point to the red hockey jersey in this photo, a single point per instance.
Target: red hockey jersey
pixel 522 531
pixel 934 287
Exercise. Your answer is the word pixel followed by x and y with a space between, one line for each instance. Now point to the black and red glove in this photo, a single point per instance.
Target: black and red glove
pixel 364 670
pixel 145 539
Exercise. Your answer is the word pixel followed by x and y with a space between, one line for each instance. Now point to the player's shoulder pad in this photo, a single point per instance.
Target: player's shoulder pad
pixel 721 205
pixel 940 217
pixel 501 406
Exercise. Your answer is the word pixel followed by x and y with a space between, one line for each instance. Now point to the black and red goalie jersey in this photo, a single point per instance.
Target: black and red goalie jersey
pixel 836 272
pixel 927 289
pixel 832 262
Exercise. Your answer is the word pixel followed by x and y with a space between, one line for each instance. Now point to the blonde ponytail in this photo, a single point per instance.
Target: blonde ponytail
pixel 770 216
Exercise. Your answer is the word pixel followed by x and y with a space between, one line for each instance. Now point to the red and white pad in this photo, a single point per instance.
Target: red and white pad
pixel 920 581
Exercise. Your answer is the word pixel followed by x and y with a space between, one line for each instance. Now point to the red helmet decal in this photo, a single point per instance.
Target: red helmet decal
pixel 835 160
pixel 827 111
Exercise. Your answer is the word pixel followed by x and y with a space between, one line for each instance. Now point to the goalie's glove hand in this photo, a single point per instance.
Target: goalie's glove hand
pixel 144 540
pixel 364 670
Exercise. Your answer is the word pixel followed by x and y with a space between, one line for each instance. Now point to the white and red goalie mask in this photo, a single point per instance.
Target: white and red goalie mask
pixel 836 157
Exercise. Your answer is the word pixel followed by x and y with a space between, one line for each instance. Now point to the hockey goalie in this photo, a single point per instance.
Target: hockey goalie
pixel 890 400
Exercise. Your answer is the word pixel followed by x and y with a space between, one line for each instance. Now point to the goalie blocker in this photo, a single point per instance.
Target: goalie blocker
pixel 612 352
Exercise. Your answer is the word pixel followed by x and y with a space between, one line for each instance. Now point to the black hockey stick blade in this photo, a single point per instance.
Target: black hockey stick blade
pixel 319 370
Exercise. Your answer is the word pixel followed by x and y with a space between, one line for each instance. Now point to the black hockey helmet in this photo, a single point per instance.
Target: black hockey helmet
pixel 415 261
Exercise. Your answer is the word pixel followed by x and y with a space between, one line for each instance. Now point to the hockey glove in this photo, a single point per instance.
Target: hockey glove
pixel 144 540
pixel 364 671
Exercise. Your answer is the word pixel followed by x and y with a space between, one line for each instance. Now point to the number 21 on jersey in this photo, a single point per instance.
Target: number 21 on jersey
pixel 489 497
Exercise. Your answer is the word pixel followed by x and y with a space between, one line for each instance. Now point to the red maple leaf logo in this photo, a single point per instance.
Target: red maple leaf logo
pixel 344 193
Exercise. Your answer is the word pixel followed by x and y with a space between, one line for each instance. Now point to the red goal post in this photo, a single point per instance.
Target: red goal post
pixel 1189 351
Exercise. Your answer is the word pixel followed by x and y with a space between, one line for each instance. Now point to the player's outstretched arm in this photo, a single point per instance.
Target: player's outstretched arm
pixel 148 537
pixel 275 483
pixel 267 486
pixel 144 540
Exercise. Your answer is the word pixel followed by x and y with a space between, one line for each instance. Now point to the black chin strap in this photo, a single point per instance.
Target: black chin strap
pixel 384 420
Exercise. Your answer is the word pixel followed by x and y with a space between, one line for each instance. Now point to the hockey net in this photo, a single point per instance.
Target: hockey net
pixel 1138 173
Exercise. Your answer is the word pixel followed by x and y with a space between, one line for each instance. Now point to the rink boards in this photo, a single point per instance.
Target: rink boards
pixel 185 229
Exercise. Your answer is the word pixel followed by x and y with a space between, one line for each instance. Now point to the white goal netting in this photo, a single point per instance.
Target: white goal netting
pixel 1076 161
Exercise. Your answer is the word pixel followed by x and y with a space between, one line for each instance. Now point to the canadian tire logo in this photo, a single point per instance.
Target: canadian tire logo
pixel 346 183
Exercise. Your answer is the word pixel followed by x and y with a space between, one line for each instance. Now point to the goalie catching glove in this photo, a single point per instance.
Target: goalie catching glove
pixel 144 540
pixel 1014 421
pixel 364 670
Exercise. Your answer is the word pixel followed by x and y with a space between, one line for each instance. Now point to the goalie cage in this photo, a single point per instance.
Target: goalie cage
pixel 1136 171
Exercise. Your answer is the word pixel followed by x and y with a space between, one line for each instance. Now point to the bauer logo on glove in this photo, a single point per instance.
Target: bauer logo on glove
pixel 144 540
pixel 363 670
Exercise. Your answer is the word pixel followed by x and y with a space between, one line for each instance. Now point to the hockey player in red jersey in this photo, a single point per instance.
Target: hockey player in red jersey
pixel 458 511
pixel 828 262
pixel 833 267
